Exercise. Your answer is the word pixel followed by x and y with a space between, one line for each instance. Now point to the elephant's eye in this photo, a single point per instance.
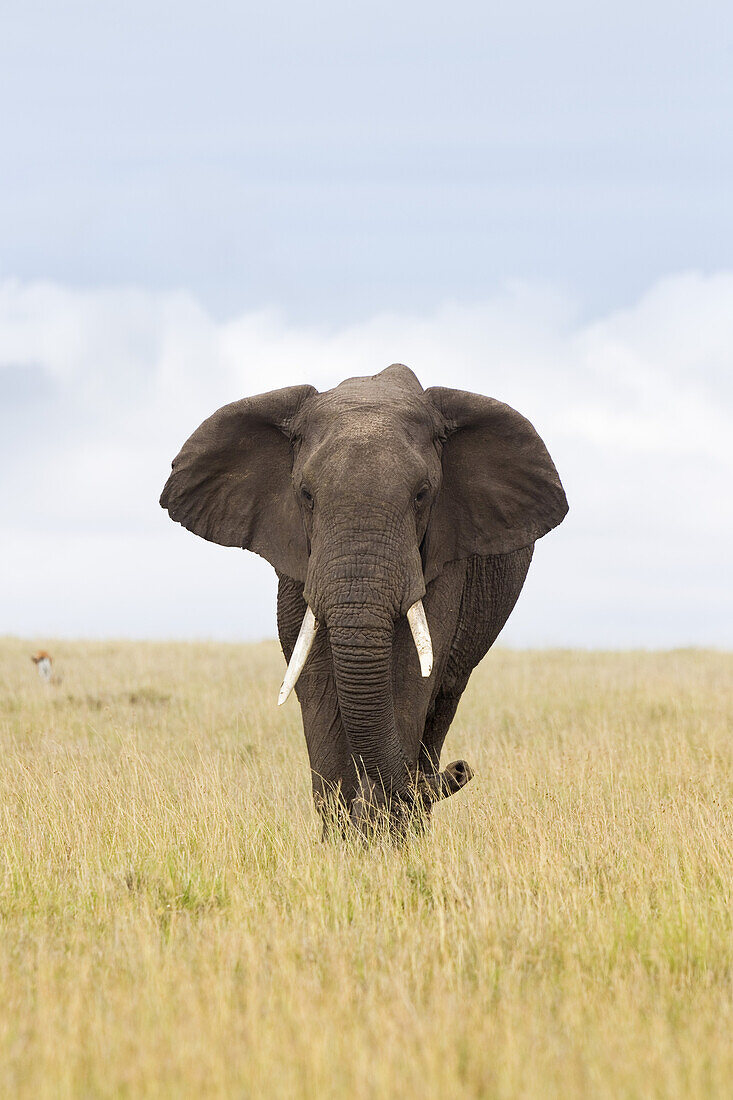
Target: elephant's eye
pixel 421 495
pixel 307 498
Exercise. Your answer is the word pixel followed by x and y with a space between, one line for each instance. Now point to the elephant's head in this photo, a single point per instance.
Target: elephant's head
pixel 364 493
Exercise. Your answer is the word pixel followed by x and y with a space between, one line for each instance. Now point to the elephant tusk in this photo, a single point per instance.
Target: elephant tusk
pixel 302 648
pixel 421 636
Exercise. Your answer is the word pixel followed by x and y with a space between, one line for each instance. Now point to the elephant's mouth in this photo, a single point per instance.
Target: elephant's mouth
pixel 309 627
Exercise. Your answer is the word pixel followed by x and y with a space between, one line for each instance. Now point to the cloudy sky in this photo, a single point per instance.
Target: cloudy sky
pixel 198 202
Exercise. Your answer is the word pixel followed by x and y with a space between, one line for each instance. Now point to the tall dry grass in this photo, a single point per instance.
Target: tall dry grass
pixel 171 925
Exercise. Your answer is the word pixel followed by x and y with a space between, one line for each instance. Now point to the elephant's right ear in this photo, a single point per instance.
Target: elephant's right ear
pixel 231 481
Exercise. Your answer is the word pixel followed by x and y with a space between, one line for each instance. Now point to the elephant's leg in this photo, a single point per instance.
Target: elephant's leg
pixel 333 777
pixel 437 724
pixel 422 707
pixel 456 774
pixel 491 586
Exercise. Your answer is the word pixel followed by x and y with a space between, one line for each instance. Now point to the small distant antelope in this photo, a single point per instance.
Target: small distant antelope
pixel 42 661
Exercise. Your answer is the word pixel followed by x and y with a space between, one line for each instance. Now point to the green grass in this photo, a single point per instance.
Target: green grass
pixel 171 925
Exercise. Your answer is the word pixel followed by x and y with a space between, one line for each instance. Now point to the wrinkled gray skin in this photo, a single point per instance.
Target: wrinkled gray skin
pixel 365 499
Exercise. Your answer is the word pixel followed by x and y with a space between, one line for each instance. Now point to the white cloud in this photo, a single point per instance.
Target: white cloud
pixel 100 388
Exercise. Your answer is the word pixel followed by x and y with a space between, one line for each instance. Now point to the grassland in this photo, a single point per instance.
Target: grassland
pixel 171 925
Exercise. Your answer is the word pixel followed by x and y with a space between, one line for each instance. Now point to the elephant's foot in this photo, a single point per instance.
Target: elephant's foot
pixel 332 809
pixel 455 776
pixel 372 813
pixel 367 813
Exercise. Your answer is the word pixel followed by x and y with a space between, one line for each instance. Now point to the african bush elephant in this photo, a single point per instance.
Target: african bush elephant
pixel 400 521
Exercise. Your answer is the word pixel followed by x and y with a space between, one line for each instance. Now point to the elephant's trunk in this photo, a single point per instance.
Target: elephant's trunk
pixel 362 663
pixel 364 575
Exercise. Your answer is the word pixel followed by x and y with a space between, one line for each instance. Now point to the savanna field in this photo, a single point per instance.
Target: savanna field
pixel 171 924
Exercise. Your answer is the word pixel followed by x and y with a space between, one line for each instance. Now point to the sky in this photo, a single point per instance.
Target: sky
pixel 199 202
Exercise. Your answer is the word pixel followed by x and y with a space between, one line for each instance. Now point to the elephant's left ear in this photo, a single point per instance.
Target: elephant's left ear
pixel 231 482
pixel 500 491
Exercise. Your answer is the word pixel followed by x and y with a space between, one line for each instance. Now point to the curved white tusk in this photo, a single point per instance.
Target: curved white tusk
pixel 421 635
pixel 308 629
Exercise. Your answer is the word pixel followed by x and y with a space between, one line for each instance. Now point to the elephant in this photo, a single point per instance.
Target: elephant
pixel 401 523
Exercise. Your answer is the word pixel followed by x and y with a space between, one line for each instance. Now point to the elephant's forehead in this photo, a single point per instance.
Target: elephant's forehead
pixel 369 424
pixel 368 445
pixel 396 383
pixel 344 425
pixel 362 411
